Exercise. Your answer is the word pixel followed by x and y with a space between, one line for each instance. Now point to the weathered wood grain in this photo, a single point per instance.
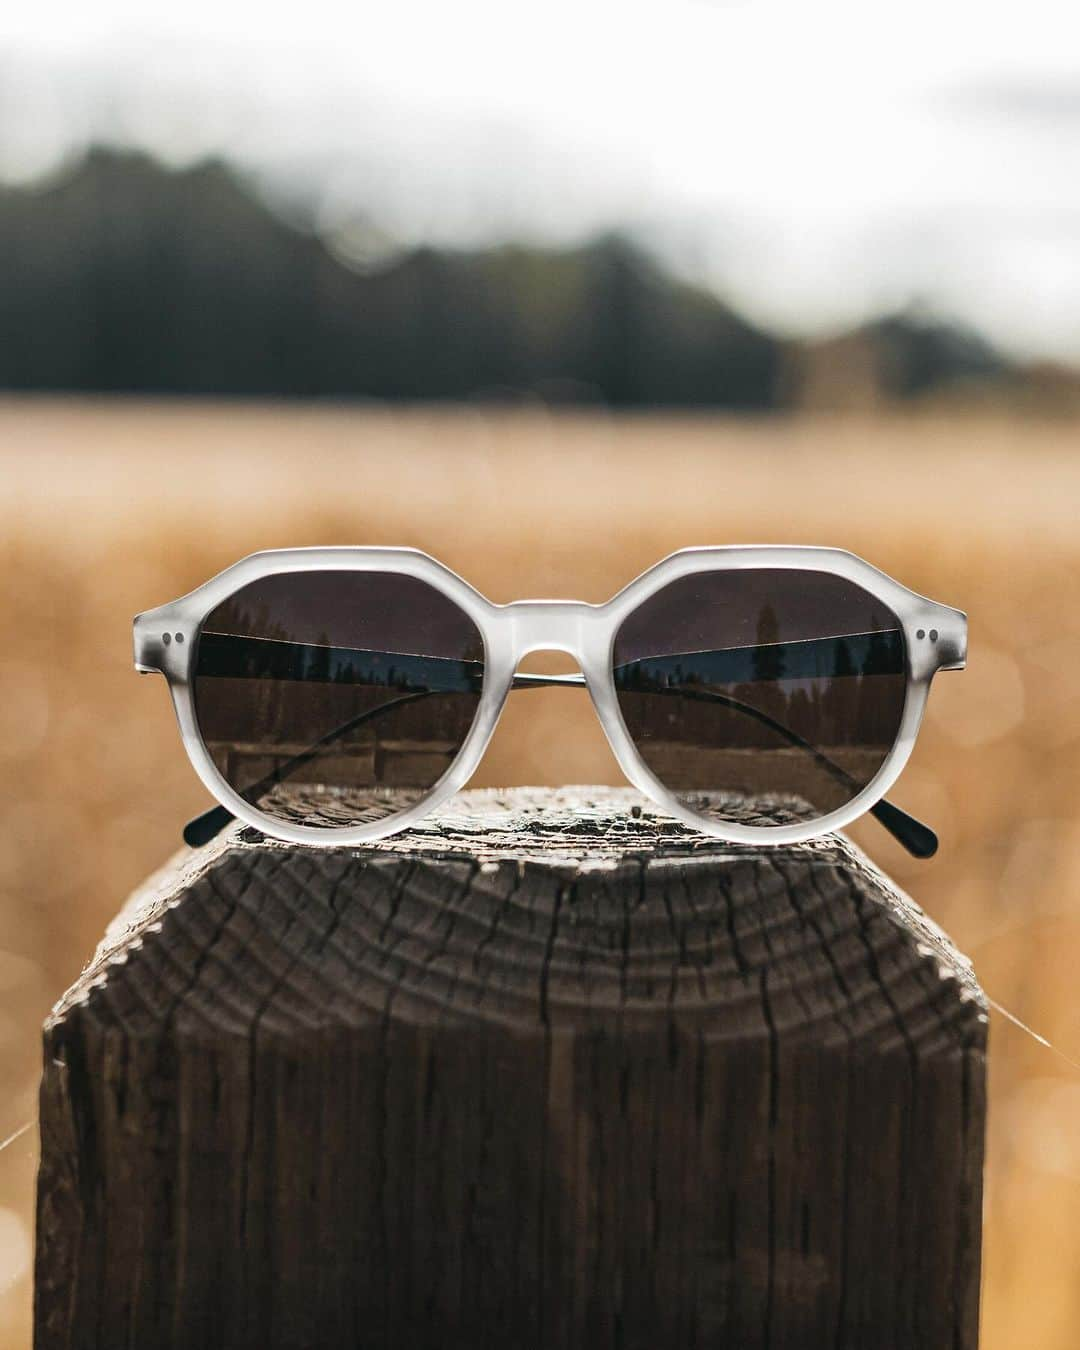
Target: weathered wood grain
pixel 542 1073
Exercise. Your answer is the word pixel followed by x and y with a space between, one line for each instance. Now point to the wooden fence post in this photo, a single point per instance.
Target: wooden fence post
pixel 549 1073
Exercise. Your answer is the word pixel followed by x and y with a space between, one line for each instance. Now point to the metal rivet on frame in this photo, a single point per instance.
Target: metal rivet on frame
pixel 933 634
pixel 179 637
pixel 920 634
pixel 166 638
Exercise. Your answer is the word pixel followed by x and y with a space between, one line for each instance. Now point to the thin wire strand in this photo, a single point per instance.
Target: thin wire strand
pixel 11 1139
pixel 1041 1040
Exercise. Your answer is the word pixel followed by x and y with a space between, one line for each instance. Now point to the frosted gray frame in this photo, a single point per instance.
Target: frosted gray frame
pixel 584 631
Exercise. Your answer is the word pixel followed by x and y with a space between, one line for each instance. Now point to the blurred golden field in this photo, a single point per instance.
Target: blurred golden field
pixel 108 509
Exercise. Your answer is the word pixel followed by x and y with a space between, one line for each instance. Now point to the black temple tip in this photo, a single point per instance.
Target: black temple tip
pixel 919 839
pixel 207 826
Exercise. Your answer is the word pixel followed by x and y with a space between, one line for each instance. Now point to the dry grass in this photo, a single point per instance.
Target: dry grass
pixel 108 510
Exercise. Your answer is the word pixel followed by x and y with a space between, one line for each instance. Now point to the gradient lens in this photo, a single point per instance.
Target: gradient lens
pixel 762 696
pixel 335 699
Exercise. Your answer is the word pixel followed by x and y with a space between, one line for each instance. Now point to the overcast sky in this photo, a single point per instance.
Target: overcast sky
pixel 815 162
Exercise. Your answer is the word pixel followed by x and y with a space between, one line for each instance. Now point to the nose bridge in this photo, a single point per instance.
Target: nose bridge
pixel 549 625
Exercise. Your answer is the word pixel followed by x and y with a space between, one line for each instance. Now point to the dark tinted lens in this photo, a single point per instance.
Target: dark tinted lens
pixel 336 698
pixel 763 696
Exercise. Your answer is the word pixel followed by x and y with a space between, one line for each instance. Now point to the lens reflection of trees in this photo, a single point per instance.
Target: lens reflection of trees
pixel 269 708
pixel 841 695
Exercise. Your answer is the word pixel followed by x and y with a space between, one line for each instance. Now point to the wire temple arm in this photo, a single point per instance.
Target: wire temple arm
pixel 919 839
pixel 209 825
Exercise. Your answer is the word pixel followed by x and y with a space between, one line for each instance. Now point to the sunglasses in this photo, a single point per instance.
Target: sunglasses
pixel 762 695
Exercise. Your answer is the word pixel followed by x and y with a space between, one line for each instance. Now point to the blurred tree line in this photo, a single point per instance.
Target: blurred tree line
pixel 121 275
